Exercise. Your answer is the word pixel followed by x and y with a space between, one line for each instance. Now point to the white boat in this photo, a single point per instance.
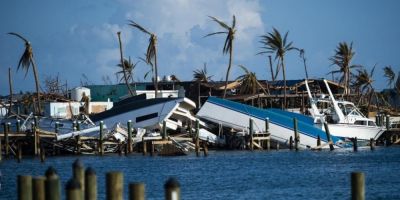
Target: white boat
pixel 281 127
pixel 344 119
pixel 149 113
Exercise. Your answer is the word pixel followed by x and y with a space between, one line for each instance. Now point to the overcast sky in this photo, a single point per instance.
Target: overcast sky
pixel 76 37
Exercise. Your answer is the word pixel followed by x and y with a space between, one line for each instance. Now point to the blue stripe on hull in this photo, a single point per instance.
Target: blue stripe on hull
pixel 278 117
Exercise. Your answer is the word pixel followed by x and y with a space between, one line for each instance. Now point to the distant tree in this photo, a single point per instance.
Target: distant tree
pixel 228 46
pixel 249 83
pixel 364 80
pixel 123 65
pixel 151 54
pixel 390 75
pixel 201 76
pixel 25 62
pixel 343 56
pixel 274 43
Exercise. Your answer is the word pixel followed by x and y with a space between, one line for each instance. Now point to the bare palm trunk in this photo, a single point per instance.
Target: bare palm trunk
pixel 369 101
pixel 156 72
pixel 284 83
pixel 305 67
pixel 229 68
pixel 36 85
pixel 11 91
pixel 270 67
pixel 123 64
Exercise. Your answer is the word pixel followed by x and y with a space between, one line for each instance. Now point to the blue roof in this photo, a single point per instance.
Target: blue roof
pixel 279 117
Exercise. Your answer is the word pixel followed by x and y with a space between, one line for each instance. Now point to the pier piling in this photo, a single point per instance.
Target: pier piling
pixel 129 125
pixel 137 191
pixel 78 173
pixel 90 184
pixel 291 142
pixel 296 135
pixel 38 188
pixel 267 132
pixel 73 190
pixel 172 189
pixel 319 142
pixel 357 186
pixel 355 146
pixel 251 130
pixel 101 149
pixel 52 184
pixel 114 186
pixel 6 140
pixel 19 152
pixel 372 144
pixel 24 187
pixel 328 136
pixel 197 142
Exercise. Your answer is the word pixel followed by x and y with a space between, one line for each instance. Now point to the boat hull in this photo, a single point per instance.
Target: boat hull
pixel 351 131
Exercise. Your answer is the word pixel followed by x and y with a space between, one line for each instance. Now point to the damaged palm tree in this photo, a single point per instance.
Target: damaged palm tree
pixel 151 54
pixel 124 65
pixel 228 46
pixel 25 62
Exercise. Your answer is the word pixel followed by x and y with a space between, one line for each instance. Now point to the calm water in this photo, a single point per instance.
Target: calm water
pixel 235 174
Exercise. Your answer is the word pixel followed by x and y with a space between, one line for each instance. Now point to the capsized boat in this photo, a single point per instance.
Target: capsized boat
pixel 149 113
pixel 236 115
pixel 344 118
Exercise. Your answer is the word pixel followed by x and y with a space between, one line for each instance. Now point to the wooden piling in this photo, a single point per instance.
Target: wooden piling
pixel 318 141
pixel 164 130
pixel 372 144
pixel 38 188
pixel 291 142
pixel 144 144
pixel 24 187
pixel 251 130
pixel 152 149
pixel 6 141
pixel 101 149
pixel 387 122
pixel 277 146
pixel 137 191
pixel 73 190
pixel 355 146
pixel 197 142
pixel 296 134
pixel 57 126
pixel 90 184
pixel 114 186
pixel 35 147
pixel 36 120
pixel 52 184
pixel 328 136
pixel 1 151
pixel 205 148
pixel 172 189
pixel 18 126
pixel 42 154
pixel 267 132
pixel 19 152
pixel 78 173
pixel 129 125
pixel 357 186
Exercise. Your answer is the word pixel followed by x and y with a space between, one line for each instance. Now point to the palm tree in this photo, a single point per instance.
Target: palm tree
pixel 364 81
pixel 25 62
pixel 127 70
pixel 228 46
pixel 123 65
pixel 274 43
pixel 389 74
pixel 302 56
pixel 201 76
pixel 249 82
pixel 343 55
pixel 151 53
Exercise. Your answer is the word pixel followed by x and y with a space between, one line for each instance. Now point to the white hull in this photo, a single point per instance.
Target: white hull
pixel 240 121
pixel 362 132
